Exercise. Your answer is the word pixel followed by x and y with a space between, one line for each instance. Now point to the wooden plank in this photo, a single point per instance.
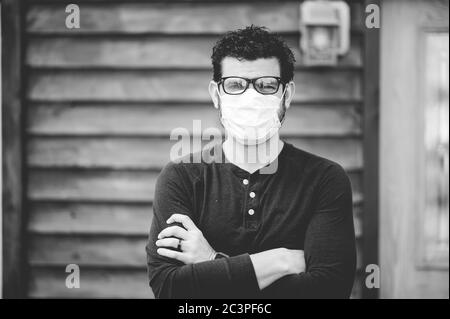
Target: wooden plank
pixel 173 18
pixel 90 218
pixel 13 270
pixel 99 185
pixel 173 85
pixel 104 251
pixel 105 219
pixel 145 52
pixel 115 153
pixel 49 282
pixel 124 119
pixel 371 142
pixel 154 153
pixel 111 186
pixel 100 251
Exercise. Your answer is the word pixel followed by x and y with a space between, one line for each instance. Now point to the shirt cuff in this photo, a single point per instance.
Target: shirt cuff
pixel 243 272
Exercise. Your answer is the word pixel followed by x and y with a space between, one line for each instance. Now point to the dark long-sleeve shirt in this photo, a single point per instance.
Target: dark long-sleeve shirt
pixel 305 204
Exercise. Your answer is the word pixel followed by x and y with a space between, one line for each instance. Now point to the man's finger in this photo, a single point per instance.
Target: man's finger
pixel 168 242
pixel 170 254
pixel 173 231
pixel 184 219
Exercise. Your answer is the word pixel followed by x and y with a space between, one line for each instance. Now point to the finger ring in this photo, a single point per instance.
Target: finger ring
pixel 179 244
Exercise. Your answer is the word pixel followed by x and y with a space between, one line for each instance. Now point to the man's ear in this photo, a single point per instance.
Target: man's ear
pixel 289 95
pixel 213 92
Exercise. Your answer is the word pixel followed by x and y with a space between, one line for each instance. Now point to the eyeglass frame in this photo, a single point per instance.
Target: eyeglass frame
pixel 252 81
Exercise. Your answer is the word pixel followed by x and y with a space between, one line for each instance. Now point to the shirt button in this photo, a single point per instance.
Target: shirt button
pixel 252 194
pixel 245 181
pixel 251 211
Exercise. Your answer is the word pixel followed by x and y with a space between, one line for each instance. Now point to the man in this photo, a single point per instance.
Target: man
pixel 231 227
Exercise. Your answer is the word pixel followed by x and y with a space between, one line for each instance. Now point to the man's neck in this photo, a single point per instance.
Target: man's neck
pixel 252 157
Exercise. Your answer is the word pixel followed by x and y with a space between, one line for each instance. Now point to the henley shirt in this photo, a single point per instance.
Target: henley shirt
pixel 305 203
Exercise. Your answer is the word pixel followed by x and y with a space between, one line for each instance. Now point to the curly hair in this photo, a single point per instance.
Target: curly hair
pixel 252 43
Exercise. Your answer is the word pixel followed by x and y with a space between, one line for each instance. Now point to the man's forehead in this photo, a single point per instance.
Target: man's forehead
pixel 250 69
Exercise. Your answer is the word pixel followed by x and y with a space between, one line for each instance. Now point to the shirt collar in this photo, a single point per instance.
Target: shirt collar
pixel 216 154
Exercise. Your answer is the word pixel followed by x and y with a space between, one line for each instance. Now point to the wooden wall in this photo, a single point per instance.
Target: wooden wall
pixel 13 186
pixel 101 102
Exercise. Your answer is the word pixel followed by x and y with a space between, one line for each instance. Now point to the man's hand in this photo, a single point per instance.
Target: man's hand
pixel 194 247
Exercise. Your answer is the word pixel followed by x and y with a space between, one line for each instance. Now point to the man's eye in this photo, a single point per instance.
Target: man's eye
pixel 268 85
pixel 236 85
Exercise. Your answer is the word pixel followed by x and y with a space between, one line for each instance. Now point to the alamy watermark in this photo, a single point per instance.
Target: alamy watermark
pixel 73 17
pixel 73 279
pixel 373 17
pixel 373 278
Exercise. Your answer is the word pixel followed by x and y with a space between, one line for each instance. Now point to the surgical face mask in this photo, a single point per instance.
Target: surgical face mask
pixel 251 118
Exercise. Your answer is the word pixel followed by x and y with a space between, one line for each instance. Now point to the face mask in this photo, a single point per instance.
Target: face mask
pixel 251 118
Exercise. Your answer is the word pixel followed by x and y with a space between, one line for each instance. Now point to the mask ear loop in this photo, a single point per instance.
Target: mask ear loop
pixel 219 107
pixel 284 106
pixel 217 89
pixel 218 102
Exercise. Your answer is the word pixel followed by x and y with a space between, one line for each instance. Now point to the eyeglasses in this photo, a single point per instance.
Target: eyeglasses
pixel 235 85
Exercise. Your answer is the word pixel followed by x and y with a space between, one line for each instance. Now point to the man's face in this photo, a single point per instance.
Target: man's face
pixel 250 70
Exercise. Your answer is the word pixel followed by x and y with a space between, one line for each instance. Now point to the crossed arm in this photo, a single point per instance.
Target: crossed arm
pixel 190 272
pixel 280 273
pixel 269 265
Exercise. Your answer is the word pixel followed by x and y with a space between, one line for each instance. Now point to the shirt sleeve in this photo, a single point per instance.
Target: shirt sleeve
pixel 232 277
pixel 329 246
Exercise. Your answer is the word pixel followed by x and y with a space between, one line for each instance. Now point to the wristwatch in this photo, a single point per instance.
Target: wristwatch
pixel 220 255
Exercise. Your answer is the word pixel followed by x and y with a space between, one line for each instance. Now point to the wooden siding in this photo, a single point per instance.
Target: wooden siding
pixel 13 188
pixel 101 102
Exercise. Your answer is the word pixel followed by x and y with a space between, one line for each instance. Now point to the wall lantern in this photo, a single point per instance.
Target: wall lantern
pixel 324 31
